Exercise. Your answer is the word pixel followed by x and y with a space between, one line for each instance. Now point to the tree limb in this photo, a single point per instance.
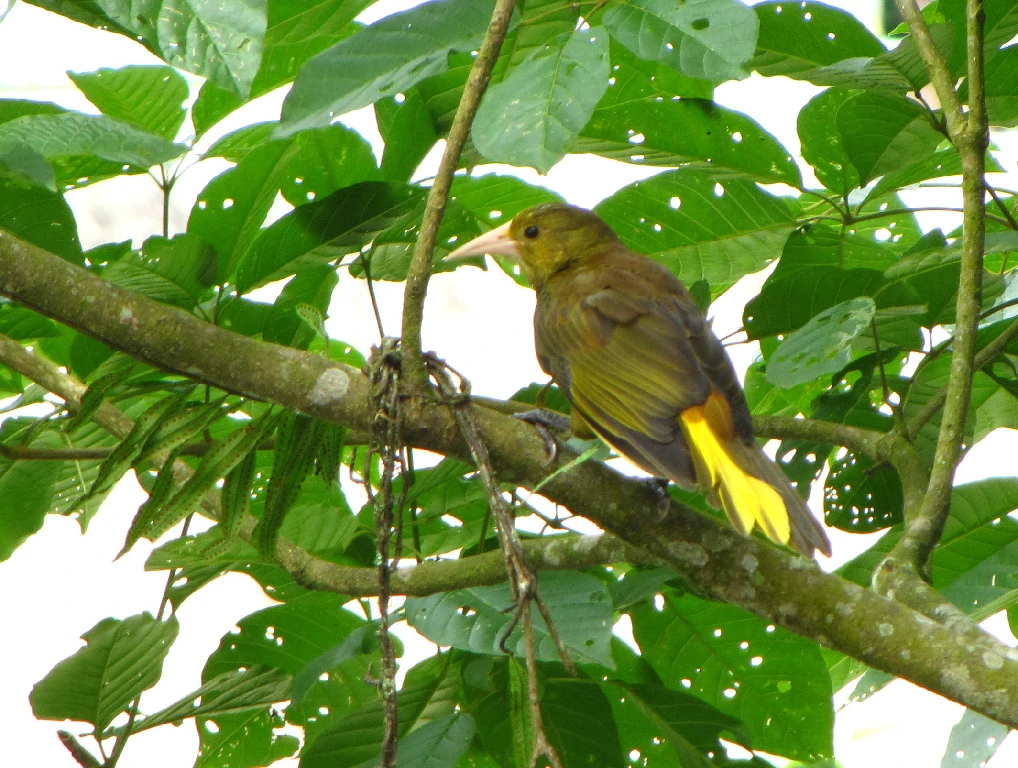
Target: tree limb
pixel 970 137
pixel 438 197
pixel 962 664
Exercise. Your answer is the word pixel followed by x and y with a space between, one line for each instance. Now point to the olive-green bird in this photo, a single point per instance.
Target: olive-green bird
pixel 637 359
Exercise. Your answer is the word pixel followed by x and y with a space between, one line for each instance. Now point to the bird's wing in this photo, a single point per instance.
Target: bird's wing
pixel 628 360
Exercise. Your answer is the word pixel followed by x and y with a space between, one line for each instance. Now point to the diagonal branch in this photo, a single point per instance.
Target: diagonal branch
pixel 958 661
pixel 420 265
pixel 970 136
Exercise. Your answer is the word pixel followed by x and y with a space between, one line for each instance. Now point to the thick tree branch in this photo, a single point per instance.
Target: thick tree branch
pixel 438 197
pixel 970 137
pixel 962 664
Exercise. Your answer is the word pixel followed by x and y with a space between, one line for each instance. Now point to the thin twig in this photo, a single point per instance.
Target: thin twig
pixel 420 265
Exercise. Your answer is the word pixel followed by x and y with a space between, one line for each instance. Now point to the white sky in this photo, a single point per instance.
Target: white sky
pixel 59 583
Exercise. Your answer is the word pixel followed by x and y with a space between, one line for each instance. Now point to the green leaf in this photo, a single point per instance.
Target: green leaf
pixel 381 60
pixel 85 148
pixel 228 693
pixel 323 231
pixel 973 741
pixel 861 497
pixel 796 40
pixel 774 681
pixel 177 271
pixel 701 229
pixel 26 487
pixel 120 660
pixel 310 287
pixel 298 30
pixel 22 324
pixel 823 345
pixel 531 116
pixel 710 39
pixel 822 145
pixel 640 121
pixel 540 23
pixel 23 164
pixel 328 159
pixel 211 106
pixel 40 216
pixel 430 694
pixel 149 97
pixel 579 605
pixel 243 739
pixel 1002 88
pixel 408 132
pixel 222 42
pixel 885 132
pixel 438 744
pixel 231 209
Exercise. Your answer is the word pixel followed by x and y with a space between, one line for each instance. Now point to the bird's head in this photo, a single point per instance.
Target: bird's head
pixel 544 240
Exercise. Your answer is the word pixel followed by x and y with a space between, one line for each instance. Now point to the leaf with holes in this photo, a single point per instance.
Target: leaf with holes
pixel 583 624
pixel 323 231
pixel 822 146
pixel 711 39
pixel 797 40
pixel 860 497
pixel 245 738
pixel 699 228
pixel 531 116
pixel 223 43
pixel 120 660
pixel 973 741
pixel 772 680
pixel 231 209
pixel 640 122
pixel 884 132
pixel 328 159
pixel 429 695
pixel 822 346
pixel 151 98
pixel 408 132
pixel 381 60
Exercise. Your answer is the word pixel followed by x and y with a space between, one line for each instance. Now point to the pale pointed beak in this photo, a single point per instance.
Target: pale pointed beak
pixel 497 242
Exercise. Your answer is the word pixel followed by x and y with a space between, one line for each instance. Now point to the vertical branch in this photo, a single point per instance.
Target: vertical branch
pixel 420 265
pixel 969 133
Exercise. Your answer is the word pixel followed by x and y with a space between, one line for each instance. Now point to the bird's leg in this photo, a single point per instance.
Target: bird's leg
pixel 546 422
pixel 659 485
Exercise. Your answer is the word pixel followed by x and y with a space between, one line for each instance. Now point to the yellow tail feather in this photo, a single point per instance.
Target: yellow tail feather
pixel 747 500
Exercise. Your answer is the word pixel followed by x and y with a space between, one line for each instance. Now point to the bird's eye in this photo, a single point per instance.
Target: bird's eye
pixel 531 232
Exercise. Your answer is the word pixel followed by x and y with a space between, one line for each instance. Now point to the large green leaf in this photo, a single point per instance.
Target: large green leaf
pixel 120 660
pixel 26 487
pixel 248 738
pixel 796 40
pixel 579 606
pixel 710 39
pixel 1002 88
pixel 885 132
pixel 531 116
pixel 823 345
pixel 774 681
pixel 408 132
pixel 381 60
pixel 640 119
pixel 973 741
pixel 150 97
pixel 85 148
pixel 700 228
pixel 822 144
pixel 323 231
pixel 222 42
pixel 298 30
pixel 328 159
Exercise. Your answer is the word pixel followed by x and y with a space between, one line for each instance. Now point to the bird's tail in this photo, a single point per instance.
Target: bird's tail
pixel 739 477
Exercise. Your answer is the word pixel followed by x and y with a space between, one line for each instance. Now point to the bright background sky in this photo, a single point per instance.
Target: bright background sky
pixel 59 584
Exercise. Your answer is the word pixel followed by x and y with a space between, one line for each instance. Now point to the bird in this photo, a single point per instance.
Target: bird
pixel 636 358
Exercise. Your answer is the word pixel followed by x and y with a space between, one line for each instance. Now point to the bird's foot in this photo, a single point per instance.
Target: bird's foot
pixel 659 485
pixel 546 422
